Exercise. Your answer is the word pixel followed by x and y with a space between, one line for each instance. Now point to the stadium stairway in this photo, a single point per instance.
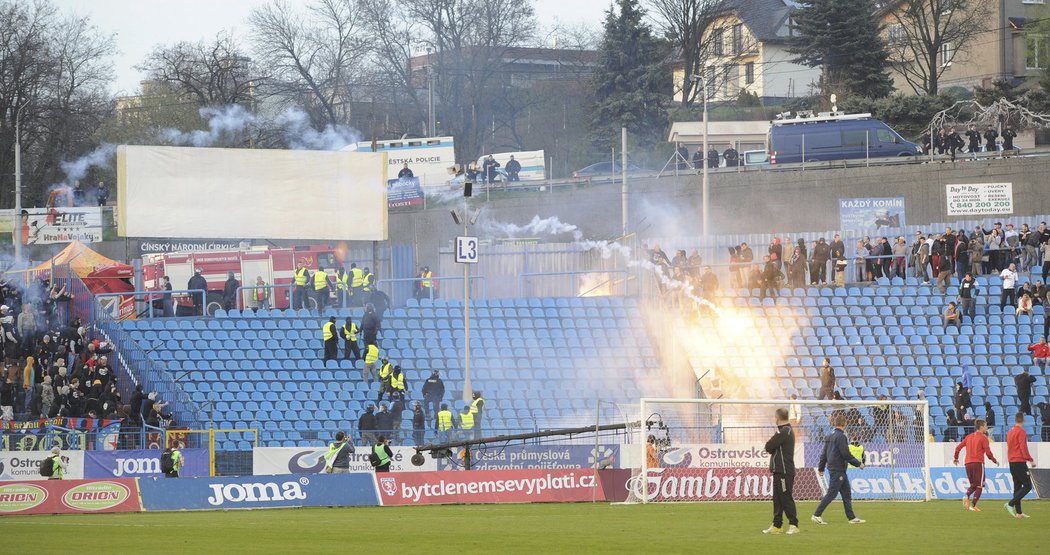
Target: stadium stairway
pixel 887 338
pixel 541 363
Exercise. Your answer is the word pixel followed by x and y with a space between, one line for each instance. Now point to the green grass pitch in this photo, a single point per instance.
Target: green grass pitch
pixel 925 528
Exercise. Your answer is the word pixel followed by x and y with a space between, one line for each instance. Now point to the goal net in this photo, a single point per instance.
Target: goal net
pixel 714 449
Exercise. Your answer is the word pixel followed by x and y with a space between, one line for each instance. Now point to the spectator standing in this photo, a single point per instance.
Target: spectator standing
pixel 366 425
pixel 709 284
pixel 974 138
pixel 101 194
pixel 1045 249
pixel 976 255
pixel 405 173
pixel 1023 382
pixel 198 283
pixel 433 392
pixel 989 414
pixel 770 278
pixel 944 278
pixel 961 256
pixel 968 296
pixel 922 259
pixel 827 381
pixel 7 400
pixel 514 168
pixel 900 257
pixel 821 255
pixel 229 292
pixel 1030 248
pixel 796 269
pixel 1013 243
pixel 1040 353
pixel 776 251
pixel 419 423
pixel 384 420
pixel 370 324
pixel 337 460
pixel 996 251
pixel 1009 277
pixel 838 252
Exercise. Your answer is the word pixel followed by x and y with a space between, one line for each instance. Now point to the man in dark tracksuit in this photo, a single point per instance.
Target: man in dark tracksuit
pixel 835 457
pixel 781 447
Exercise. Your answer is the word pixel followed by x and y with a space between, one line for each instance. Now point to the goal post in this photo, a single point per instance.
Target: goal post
pixel 714 449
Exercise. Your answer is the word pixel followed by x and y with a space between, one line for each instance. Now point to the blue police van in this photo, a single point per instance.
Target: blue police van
pixel 835 137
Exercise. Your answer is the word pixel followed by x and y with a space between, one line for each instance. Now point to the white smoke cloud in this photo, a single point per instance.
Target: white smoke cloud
pixel 536 228
pixel 300 134
pixel 223 122
pixel 78 168
pixel 233 121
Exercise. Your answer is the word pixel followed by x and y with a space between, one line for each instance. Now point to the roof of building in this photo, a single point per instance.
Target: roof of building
pixel 764 18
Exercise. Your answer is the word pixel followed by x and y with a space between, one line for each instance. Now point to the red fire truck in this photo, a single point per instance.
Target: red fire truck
pixel 274 265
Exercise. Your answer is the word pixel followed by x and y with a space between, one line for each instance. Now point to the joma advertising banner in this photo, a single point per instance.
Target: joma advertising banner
pixel 69 496
pixel 258 492
pixel 310 460
pixel 489 486
pixel 513 457
pixel 143 463
pixel 717 484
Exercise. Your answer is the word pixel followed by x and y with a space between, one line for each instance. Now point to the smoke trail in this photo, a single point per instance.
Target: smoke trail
pixel 223 122
pixel 77 169
pixel 536 227
pixel 607 249
pixel 300 135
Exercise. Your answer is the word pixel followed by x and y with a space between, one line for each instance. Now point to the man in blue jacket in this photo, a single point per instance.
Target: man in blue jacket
pixel 835 458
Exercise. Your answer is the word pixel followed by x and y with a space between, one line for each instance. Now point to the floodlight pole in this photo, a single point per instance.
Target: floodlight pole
pixel 16 225
pixel 468 392
pixel 705 188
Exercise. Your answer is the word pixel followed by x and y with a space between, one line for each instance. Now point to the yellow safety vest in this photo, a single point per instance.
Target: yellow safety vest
pixel 474 405
pixel 367 283
pixel 300 276
pixel 341 281
pixel 857 451
pixel 320 280
pixel 329 330
pixel 262 294
pixel 466 420
pixel 444 421
pixel 426 278
pixel 371 354
pixel 384 371
pixel 350 334
pixel 358 277
pixel 397 383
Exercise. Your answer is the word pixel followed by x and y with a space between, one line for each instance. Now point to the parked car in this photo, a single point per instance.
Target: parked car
pixel 835 137
pixel 602 169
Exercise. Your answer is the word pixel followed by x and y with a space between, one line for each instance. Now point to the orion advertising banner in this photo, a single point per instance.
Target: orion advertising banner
pixel 725 455
pixel 142 463
pixel 258 492
pixel 717 484
pixel 950 482
pixel 489 486
pixel 310 460
pixel 69 497
pixel 875 454
pixel 867 213
pixel 405 191
pixel 536 456
pixel 25 465
pixel 46 226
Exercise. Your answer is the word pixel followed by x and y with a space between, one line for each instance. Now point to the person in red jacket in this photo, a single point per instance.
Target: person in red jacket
pixel 977 447
pixel 1040 352
pixel 1019 457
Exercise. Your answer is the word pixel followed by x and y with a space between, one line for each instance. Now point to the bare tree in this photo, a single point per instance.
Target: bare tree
pixel 314 56
pixel 922 32
pixel 54 74
pixel 214 73
pixel 684 22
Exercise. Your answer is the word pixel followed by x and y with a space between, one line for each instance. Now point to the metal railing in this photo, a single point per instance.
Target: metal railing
pixel 401 289
pixel 592 286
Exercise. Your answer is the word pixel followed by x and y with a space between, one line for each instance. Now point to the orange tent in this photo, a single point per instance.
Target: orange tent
pixel 99 273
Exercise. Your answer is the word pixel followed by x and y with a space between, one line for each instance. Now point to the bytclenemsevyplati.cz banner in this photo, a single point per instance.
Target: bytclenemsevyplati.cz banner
pixel 46 226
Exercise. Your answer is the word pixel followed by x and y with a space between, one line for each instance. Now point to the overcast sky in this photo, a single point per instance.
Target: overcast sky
pixel 140 24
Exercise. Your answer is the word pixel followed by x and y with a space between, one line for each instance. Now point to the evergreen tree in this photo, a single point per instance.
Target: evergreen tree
pixel 632 83
pixel 843 38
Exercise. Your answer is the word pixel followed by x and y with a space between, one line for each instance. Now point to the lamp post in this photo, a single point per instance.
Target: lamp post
pixel 466 253
pixel 431 126
pixel 705 188
pixel 16 226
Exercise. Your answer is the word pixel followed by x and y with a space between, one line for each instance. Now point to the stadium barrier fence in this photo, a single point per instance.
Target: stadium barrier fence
pixel 229 451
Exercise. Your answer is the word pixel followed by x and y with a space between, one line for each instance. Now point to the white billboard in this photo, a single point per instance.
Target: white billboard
pixel 978 199
pixel 219 193
pixel 429 158
pixel 47 226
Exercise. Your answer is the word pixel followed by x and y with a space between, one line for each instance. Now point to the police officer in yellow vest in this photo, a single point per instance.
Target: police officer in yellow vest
pixel 397 384
pixel 299 292
pixel 350 337
pixel 357 280
pixel 477 408
pixel 367 283
pixel 369 370
pixel 331 340
pixel 857 450
pixel 466 421
pixel 321 289
pixel 445 424
pixel 426 284
pixel 342 287
pixel 385 371
pixel 261 295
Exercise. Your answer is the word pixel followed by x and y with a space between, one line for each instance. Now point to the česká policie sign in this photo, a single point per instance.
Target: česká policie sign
pixel 974 199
